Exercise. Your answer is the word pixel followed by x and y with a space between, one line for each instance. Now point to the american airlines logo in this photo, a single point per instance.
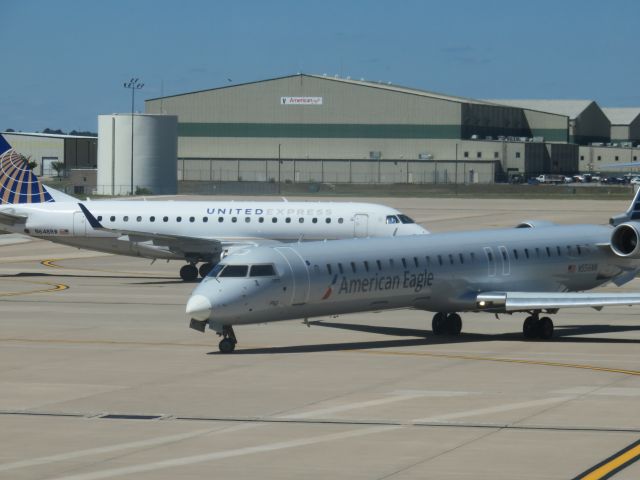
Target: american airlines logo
pixel 301 100
pixel 377 283
pixel 269 211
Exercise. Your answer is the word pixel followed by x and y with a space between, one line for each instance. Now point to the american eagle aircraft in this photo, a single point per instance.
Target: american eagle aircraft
pixel 195 232
pixel 536 268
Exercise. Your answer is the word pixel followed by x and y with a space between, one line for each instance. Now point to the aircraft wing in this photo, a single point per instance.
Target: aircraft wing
pixel 523 301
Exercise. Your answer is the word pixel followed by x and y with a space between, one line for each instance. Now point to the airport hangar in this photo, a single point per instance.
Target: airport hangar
pixel 311 128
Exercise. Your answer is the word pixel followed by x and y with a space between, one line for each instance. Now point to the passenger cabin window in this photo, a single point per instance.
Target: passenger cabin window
pixel 261 220
pixel 192 219
pixel 235 271
pixel 314 220
pixel 234 219
pixel 138 218
pixel 205 219
pixel 247 219
pixel 327 220
pixel 99 218
pixel 379 263
pixel 112 218
pixel 152 219
pixel 329 269
pixel 262 271
pixel 366 265
pixel 287 220
pixel 274 220
pixel 340 269
pixel 301 220
pixel 178 219
pixel 353 267
pixel 404 263
pixel 125 218
pixel 220 219
pixel 415 261
pixel 165 219
pixel 340 220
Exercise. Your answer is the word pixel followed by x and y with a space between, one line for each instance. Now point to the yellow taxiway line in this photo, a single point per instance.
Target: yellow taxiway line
pixel 613 464
pixel 503 360
pixel 52 287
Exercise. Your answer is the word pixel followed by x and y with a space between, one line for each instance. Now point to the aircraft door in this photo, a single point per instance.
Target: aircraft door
pixel 79 223
pixel 298 276
pixel 361 225
pixel 506 264
pixel 491 261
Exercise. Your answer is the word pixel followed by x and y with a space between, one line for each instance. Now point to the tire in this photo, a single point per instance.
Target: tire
pixel 205 268
pixel 438 324
pixel 227 345
pixel 188 273
pixel 530 327
pixel 545 328
pixel 454 324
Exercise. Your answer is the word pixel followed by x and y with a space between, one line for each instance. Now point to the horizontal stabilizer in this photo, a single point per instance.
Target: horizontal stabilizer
pixel 11 219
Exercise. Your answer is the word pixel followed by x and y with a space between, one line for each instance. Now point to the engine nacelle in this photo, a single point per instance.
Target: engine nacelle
pixel 535 224
pixel 625 240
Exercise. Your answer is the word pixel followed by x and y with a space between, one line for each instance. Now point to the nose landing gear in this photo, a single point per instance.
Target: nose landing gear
pixel 229 340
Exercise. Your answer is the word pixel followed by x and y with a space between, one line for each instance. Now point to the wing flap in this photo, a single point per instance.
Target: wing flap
pixel 522 301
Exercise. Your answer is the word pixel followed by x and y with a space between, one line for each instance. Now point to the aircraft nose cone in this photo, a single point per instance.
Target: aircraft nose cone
pixel 199 307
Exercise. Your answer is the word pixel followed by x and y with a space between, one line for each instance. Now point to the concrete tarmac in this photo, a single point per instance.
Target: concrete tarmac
pixel 100 377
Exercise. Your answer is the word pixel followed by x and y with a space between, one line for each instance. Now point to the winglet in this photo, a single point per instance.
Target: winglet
pixel 93 221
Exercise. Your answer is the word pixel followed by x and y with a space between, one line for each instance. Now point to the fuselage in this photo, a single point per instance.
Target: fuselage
pixel 437 272
pixel 229 222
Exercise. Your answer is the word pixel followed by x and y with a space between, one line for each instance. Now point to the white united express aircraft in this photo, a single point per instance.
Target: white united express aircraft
pixel 179 230
pixel 538 267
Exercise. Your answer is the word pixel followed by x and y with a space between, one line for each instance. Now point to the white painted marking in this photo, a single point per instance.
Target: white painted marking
pixel 350 406
pixel 207 457
pixel 607 391
pixel 111 448
pixel 434 393
pixel 497 409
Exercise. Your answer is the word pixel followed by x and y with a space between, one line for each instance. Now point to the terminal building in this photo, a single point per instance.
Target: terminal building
pixel 312 128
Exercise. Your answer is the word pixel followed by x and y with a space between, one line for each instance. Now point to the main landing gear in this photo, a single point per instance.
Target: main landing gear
pixel 449 323
pixel 189 272
pixel 229 340
pixel 536 327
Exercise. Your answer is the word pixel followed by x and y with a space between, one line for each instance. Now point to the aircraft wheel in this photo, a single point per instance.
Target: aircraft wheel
pixel 454 324
pixel 205 268
pixel 189 272
pixel 545 328
pixel 227 345
pixel 530 327
pixel 438 324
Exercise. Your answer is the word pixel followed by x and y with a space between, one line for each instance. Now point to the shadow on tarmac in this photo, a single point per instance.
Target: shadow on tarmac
pixel 563 334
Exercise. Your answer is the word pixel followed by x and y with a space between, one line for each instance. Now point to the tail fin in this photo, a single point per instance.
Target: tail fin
pixel 632 213
pixel 18 183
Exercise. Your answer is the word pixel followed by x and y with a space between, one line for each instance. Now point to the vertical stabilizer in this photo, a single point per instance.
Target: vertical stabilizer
pixel 18 183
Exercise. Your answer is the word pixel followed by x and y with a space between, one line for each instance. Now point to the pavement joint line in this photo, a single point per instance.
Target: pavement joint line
pixel 502 360
pixel 614 464
pixel 319 421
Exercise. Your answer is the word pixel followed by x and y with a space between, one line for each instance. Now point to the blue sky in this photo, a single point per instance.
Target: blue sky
pixel 66 60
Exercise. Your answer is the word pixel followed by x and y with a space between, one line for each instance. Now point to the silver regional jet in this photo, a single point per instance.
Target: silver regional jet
pixel 536 268
pixel 194 232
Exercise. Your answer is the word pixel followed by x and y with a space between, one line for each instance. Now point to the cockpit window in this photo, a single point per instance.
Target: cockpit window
pixel 216 270
pixel 235 271
pixel 392 219
pixel 262 271
pixel 405 219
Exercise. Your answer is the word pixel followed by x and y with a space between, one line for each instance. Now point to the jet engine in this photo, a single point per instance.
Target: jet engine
pixel 625 240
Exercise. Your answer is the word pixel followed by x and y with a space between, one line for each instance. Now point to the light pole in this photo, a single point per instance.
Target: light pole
pixel 133 84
